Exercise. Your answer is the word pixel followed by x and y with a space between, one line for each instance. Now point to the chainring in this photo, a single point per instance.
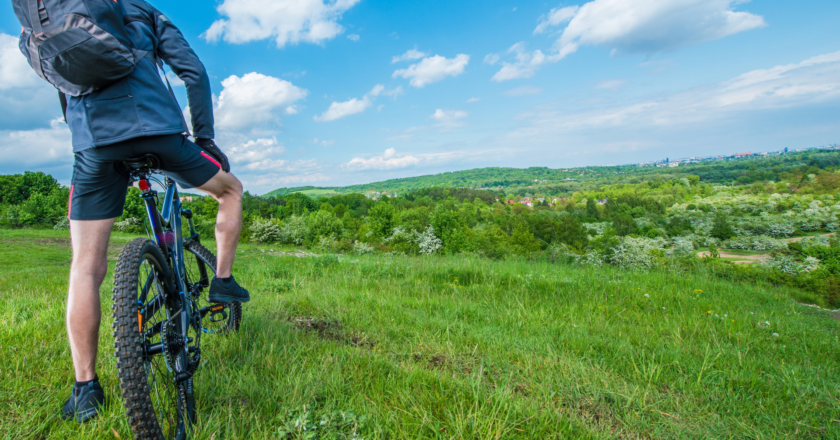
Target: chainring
pixel 173 344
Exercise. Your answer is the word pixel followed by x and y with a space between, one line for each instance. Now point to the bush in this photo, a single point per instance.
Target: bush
pixel 294 230
pixel 265 231
pixel 322 224
pixel 130 225
pixel 721 229
pixel 638 253
pixel 363 248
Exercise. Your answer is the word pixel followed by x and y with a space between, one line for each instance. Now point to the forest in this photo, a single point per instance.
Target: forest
pixel 770 218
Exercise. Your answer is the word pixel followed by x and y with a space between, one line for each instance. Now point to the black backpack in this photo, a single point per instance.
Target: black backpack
pixel 78 46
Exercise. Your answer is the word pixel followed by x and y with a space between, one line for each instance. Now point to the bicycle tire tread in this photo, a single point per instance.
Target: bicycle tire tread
pixel 127 344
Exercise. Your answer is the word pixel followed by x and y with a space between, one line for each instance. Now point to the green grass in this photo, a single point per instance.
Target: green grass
pixel 318 192
pixel 451 348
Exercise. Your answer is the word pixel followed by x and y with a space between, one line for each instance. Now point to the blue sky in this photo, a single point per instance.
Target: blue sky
pixel 351 91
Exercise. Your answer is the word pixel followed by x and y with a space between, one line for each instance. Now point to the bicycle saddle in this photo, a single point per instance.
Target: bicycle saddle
pixel 147 161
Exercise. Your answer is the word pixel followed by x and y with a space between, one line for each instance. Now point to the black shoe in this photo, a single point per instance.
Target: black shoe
pixel 227 291
pixel 85 402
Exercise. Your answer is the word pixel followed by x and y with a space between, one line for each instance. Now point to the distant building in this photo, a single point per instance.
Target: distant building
pixel 186 199
pixel 603 201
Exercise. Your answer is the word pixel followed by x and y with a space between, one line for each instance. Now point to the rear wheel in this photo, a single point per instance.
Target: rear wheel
pixel 150 345
pixel 200 265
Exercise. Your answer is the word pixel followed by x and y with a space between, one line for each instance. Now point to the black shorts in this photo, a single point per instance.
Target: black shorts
pixel 98 189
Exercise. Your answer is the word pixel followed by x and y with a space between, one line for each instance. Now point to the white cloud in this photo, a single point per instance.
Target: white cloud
pixel 449 119
pixel 433 69
pixel 253 99
pixel 523 90
pixel 174 81
pixel 254 151
pixel 526 63
pixel 15 72
pixel 339 110
pixel 411 54
pixel 555 17
pixel 28 149
pixel 284 21
pixel 629 27
pixel 393 93
pixel 448 115
pixel 388 161
pixel 471 100
pixel 813 81
pixel 611 84
pixel 649 26
pixel 492 58
pixel 353 37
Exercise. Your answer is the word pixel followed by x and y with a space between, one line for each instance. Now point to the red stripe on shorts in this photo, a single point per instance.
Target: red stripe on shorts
pixel 70 202
pixel 207 156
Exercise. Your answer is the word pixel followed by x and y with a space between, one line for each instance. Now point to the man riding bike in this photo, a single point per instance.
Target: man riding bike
pixel 129 117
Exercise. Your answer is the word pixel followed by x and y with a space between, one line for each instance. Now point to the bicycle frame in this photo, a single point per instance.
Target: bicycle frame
pixel 170 218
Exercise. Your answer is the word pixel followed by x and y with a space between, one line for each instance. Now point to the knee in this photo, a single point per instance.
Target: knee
pixel 90 269
pixel 233 190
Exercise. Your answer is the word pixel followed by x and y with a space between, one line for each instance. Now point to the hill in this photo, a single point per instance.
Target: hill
pixel 560 181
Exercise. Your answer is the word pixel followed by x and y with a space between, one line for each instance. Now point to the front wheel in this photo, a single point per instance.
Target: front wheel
pixel 149 345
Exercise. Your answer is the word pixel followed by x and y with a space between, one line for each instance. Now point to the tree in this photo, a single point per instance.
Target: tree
pixel 592 208
pixel 721 229
pixel 625 225
pixel 381 219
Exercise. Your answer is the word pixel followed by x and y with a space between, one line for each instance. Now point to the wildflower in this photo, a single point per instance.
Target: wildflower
pixel 698 290
pixel 647 296
pixel 663 308
pixel 709 312
pixel 775 335
pixel 767 322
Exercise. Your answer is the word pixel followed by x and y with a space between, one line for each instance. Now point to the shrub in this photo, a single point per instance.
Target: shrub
pixel 363 248
pixel 721 229
pixel 428 241
pixel 638 253
pixel 294 230
pixel 130 225
pixel 62 224
pixel 265 231
pixel 322 223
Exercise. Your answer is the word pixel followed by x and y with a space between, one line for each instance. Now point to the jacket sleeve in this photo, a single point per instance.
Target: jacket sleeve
pixel 176 52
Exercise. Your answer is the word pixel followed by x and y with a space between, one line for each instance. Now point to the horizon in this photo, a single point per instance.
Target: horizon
pixel 356 92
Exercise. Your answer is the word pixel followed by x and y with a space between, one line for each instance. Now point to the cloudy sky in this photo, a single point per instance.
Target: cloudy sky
pixel 337 92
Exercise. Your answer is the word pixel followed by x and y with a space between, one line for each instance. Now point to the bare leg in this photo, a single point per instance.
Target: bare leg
pixel 227 189
pixel 89 240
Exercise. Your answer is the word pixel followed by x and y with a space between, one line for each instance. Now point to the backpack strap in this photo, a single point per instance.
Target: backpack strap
pixel 34 18
pixel 159 64
pixel 62 98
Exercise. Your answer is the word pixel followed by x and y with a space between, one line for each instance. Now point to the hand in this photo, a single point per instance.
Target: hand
pixel 212 149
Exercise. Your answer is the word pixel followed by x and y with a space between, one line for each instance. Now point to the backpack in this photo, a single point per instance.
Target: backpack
pixel 78 46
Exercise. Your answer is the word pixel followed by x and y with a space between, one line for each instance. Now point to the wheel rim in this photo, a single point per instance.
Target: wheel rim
pixel 163 391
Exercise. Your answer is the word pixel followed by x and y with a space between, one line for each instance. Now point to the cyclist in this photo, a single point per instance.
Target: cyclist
pixel 137 115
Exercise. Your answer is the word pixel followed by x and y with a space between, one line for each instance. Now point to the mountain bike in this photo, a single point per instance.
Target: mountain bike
pixel 161 310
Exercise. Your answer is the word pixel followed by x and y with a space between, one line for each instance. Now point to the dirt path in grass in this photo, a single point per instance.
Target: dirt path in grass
pixel 792 240
pixel 749 259
pixel 742 259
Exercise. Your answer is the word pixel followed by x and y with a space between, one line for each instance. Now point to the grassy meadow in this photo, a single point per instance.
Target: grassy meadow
pixel 381 347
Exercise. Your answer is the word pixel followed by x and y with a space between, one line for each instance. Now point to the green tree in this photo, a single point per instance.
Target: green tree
pixel 625 225
pixel 381 219
pixel 523 240
pixel 721 229
pixel 592 208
